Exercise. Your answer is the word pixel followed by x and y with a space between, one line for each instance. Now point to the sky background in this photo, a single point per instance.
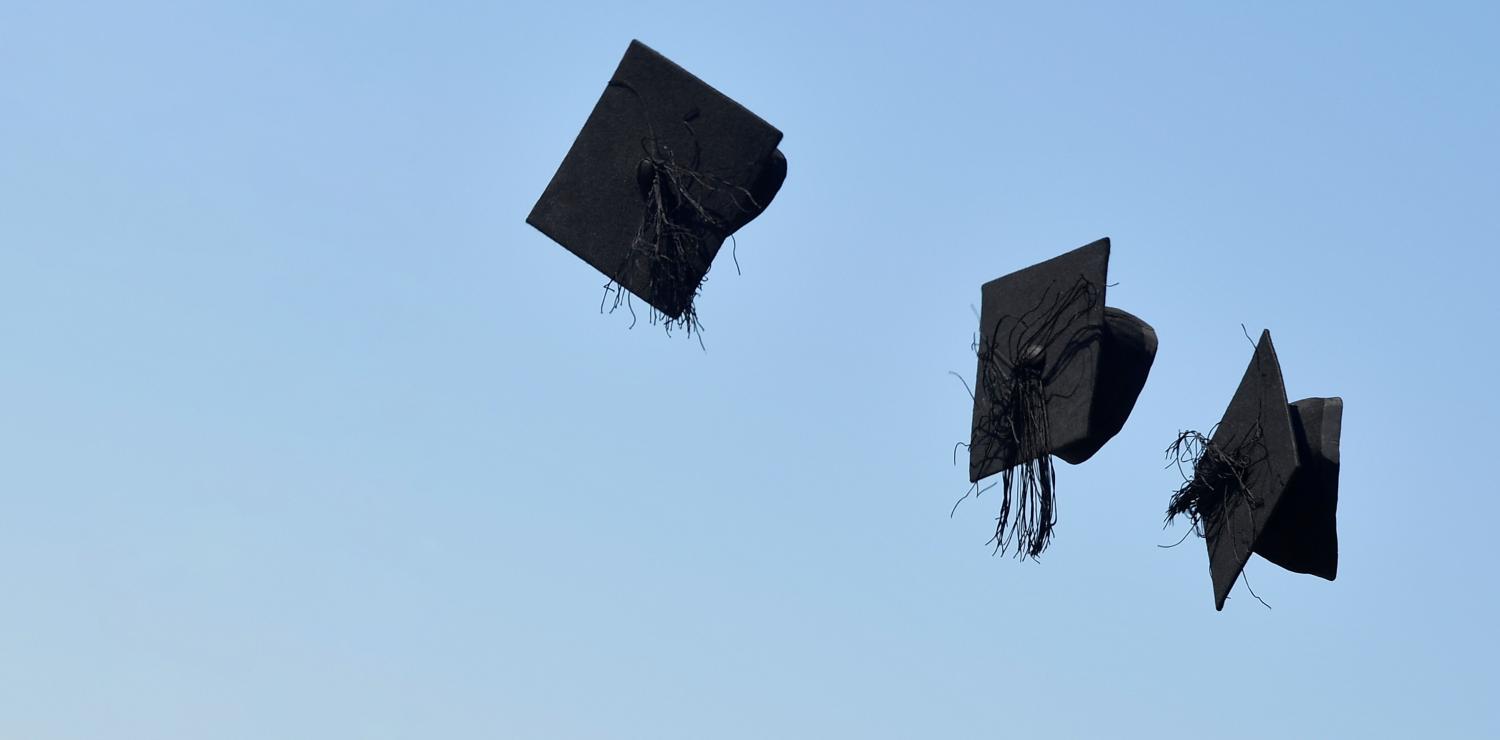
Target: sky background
pixel 304 433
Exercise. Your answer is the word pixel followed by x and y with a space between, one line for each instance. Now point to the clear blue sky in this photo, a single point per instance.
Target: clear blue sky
pixel 304 433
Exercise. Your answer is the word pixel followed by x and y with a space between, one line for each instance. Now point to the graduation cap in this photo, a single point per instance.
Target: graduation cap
pixel 665 169
pixel 1059 373
pixel 1266 481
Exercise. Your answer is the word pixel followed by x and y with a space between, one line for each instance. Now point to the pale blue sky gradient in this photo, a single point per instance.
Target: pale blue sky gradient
pixel 304 433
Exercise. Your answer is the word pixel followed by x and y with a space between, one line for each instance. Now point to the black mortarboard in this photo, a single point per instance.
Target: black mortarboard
pixel 1267 480
pixel 664 170
pixel 1059 373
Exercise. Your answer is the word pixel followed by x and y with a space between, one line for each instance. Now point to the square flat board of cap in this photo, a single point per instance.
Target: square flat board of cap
pixel 1053 310
pixel 1257 424
pixel 595 204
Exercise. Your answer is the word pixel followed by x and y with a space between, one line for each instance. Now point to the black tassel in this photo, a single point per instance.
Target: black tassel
pixel 685 209
pixel 1213 480
pixel 1018 412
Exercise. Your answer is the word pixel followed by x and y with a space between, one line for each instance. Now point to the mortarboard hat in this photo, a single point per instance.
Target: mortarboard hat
pixel 1267 480
pixel 1059 373
pixel 665 169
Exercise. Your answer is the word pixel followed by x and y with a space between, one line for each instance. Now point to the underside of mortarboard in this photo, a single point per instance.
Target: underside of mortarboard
pixel 664 170
pixel 1058 374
